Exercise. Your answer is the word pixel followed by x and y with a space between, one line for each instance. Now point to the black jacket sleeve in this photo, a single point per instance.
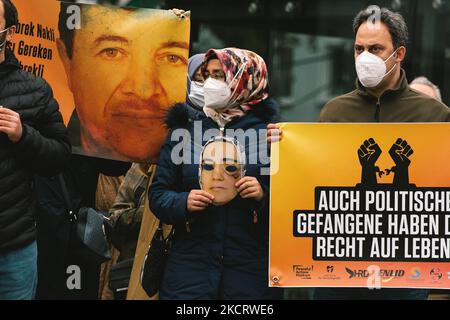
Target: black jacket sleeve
pixel 167 201
pixel 44 147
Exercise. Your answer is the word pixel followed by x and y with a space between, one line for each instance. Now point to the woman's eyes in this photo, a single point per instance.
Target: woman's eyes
pixel 208 167
pixel 228 168
pixel 231 168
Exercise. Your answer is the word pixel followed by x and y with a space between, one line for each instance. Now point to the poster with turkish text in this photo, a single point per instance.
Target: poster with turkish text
pixel 114 71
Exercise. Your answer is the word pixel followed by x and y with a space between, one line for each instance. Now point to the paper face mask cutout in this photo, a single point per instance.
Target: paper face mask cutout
pixel 222 164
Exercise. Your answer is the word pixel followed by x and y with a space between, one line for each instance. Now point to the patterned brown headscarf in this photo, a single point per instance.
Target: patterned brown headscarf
pixel 249 88
pixel 252 85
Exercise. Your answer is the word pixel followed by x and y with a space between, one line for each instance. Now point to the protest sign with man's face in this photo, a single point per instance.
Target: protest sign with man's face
pixel 114 71
pixel 125 68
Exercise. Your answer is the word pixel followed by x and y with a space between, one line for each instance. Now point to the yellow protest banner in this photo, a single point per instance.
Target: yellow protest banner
pixel 361 205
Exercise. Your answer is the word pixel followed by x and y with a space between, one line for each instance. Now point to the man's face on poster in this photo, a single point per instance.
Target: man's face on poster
pixel 125 72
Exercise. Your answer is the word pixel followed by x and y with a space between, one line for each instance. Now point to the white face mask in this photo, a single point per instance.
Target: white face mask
pixel 197 94
pixel 3 43
pixel 217 93
pixel 371 69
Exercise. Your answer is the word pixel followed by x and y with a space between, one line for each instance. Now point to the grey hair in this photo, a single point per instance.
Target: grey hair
pixel 394 22
pixel 424 81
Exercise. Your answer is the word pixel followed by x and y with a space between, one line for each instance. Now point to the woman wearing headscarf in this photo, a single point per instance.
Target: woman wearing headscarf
pixel 220 246
pixel 129 211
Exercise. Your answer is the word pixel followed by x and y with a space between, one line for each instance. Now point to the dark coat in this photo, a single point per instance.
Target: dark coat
pixel 55 252
pixel 400 104
pixel 44 149
pixel 225 254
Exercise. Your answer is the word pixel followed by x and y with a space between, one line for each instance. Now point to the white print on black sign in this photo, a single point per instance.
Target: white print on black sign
pixel 226 309
pixel 379 222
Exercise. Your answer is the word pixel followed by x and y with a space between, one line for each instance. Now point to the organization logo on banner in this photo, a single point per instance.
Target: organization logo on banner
pixel 415 273
pixel 357 273
pixel 436 274
pixel 386 275
pixel 330 274
pixel 448 274
pixel 302 271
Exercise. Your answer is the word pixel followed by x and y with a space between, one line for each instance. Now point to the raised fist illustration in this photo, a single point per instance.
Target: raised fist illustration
pixel 400 153
pixel 368 154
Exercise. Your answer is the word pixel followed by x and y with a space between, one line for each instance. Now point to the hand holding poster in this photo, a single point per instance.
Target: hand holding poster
pixel 115 71
pixel 371 206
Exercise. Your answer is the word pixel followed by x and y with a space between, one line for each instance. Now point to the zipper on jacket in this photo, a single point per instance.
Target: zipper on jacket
pixel 255 216
pixel 377 111
pixel 188 227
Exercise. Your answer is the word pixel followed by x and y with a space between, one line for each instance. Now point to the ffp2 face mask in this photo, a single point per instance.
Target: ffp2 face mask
pixel 371 69
pixel 197 94
pixel 4 41
pixel 218 93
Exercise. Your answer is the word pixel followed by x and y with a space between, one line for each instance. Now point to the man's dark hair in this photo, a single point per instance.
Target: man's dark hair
pixel 65 33
pixel 394 21
pixel 11 15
